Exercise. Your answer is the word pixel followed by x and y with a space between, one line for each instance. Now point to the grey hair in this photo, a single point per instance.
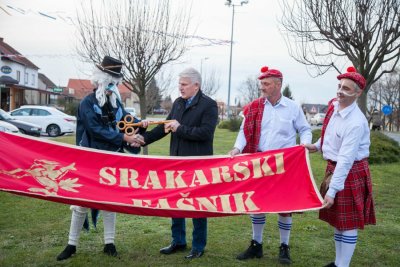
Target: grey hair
pixel 192 74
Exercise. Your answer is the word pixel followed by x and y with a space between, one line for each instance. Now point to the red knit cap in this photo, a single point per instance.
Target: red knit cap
pixel 266 73
pixel 353 75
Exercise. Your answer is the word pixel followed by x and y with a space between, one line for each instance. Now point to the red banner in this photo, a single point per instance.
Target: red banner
pixel 275 181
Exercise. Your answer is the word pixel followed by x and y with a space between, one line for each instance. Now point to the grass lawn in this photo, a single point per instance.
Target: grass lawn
pixel 33 232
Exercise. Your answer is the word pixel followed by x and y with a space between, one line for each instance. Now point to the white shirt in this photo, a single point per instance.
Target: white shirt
pixel 346 140
pixel 279 126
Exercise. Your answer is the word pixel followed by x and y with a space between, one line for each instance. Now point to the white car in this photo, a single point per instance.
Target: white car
pixel 52 121
pixel 317 119
pixel 8 127
pixel 132 111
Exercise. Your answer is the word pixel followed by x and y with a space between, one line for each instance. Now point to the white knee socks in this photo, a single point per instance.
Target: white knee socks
pixel 258 223
pixel 109 226
pixel 345 243
pixel 77 220
pixel 285 225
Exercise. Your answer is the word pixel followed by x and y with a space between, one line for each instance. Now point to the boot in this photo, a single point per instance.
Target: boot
pixel 67 252
pixel 284 255
pixel 110 250
pixel 254 250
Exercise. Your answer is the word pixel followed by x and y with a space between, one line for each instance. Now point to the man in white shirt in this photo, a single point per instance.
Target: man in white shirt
pixel 271 122
pixel 347 187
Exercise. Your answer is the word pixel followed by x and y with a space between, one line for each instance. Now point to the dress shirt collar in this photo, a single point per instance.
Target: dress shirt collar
pixel 346 111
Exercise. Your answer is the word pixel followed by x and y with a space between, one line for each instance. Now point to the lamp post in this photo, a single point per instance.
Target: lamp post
pixel 201 65
pixel 230 4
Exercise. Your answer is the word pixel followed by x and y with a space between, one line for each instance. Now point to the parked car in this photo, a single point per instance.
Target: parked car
pixel 8 127
pixel 317 119
pixel 52 121
pixel 23 127
pixel 132 111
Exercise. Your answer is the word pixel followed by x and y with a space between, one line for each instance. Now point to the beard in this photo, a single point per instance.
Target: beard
pixel 101 80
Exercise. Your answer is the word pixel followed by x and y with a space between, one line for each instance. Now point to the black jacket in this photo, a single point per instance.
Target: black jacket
pixel 195 135
pixel 96 129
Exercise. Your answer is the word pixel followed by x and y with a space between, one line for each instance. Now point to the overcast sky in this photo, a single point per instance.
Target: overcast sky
pixel 49 43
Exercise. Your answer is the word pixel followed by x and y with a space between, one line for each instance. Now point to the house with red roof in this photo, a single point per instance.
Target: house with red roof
pixel 20 81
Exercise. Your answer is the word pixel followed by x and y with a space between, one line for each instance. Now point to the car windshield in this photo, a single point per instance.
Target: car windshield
pixel 5 115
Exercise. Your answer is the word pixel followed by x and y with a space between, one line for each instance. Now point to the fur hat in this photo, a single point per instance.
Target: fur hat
pixel 111 66
pixel 353 75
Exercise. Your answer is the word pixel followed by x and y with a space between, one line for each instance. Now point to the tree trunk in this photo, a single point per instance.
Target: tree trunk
pixel 143 115
pixel 362 102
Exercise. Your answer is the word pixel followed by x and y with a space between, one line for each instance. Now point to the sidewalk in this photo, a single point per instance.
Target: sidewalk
pixel 394 135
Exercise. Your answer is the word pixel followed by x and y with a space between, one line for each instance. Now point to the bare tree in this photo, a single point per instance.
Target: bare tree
pixel 249 89
pixel 145 35
pixel 387 92
pixel 365 32
pixel 210 83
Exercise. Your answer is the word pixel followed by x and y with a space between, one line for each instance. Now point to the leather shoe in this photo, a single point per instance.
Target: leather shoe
pixel 194 254
pixel 172 248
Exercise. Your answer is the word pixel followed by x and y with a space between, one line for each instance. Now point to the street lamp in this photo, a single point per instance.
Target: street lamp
pixel 230 4
pixel 201 65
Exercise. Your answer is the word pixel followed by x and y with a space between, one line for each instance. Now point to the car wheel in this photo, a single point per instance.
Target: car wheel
pixel 53 130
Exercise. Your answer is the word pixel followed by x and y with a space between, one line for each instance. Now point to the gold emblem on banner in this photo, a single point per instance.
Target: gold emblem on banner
pixel 49 174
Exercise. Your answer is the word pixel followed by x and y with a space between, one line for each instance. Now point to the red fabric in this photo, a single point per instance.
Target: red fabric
pixel 354 206
pixel 353 75
pixel 267 72
pixel 328 116
pixel 253 113
pixel 176 187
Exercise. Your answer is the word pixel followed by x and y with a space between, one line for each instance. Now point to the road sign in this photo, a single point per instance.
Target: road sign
pixel 57 90
pixel 387 110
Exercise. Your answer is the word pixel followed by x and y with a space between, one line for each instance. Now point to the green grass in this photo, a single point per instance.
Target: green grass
pixel 33 232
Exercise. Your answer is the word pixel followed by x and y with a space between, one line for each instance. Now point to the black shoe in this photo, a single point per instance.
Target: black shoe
pixel 67 252
pixel 332 264
pixel 254 250
pixel 284 255
pixel 110 250
pixel 172 248
pixel 194 254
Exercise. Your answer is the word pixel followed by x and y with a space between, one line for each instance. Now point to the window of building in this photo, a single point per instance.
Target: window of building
pixel 33 79
pixel 71 91
pixel 26 80
pixel 18 76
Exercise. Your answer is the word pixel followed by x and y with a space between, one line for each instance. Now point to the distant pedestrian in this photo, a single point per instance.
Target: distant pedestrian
pixel 347 186
pixel 376 120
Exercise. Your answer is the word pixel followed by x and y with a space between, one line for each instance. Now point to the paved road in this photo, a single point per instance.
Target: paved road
pixel 394 135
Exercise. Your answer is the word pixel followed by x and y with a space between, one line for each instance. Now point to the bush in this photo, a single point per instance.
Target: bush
pixel 382 150
pixel 233 124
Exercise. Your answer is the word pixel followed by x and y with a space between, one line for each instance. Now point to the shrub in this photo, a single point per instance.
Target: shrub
pixel 233 124
pixel 382 150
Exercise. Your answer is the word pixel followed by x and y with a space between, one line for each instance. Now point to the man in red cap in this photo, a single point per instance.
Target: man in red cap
pixel 347 187
pixel 270 122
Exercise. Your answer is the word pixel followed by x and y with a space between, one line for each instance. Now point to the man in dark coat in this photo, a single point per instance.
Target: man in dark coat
pixel 98 114
pixel 195 117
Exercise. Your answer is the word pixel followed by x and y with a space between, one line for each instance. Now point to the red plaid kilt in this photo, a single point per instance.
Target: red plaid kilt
pixel 354 206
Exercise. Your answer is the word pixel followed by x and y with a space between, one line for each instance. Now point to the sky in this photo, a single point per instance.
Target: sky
pixel 50 44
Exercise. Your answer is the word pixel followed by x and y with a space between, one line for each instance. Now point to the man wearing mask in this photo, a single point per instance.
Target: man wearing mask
pixel 97 118
pixel 347 186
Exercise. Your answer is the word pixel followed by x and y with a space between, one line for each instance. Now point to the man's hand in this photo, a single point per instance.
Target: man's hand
pixel 145 124
pixel 135 140
pixel 311 148
pixel 328 201
pixel 235 151
pixel 171 126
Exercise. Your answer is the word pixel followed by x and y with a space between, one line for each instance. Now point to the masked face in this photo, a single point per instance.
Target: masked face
pixel 111 88
pixel 346 93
